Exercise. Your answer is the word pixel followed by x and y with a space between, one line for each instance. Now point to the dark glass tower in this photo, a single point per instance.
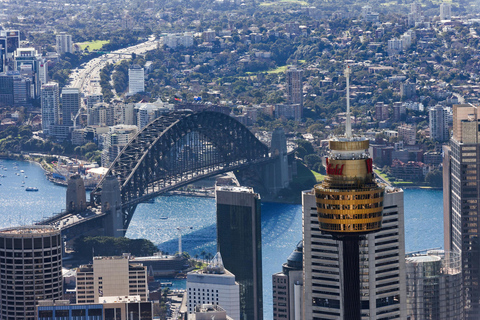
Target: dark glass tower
pixel 239 242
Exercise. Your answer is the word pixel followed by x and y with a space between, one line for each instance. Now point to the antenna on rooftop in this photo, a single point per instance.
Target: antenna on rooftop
pixel 348 125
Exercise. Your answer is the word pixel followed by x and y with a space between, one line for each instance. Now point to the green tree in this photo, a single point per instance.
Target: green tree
pixel 434 178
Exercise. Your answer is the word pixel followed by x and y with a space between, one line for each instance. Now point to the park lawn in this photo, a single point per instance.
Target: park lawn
pixel 92 45
pixel 278 70
pixel 381 174
pixel 318 176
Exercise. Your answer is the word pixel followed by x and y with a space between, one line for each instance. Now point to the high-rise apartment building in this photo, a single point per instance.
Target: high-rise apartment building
pixel 214 286
pixel 30 269
pixel 294 86
pixel 111 276
pixel 445 11
pixel 70 106
pixel 136 79
pixel 64 43
pixel 461 175
pixel 50 102
pixel 93 99
pixel 438 120
pixel 287 287
pixel 116 139
pixel 408 133
pixel 381 111
pixel 434 286
pixel 239 241
pixel 382 265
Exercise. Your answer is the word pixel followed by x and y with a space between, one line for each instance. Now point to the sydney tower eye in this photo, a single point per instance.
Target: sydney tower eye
pixel 349 205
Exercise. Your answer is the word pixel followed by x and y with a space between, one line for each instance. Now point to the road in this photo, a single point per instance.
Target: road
pixel 87 79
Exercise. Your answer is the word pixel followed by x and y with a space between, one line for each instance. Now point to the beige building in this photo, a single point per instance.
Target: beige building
pixel 111 276
pixel 408 134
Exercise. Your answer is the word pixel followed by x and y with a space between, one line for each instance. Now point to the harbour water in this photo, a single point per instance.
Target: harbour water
pixel 158 221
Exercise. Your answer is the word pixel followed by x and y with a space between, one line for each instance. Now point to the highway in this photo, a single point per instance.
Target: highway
pixel 87 78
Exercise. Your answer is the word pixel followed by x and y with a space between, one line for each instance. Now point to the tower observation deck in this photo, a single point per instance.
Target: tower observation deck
pixel 349 204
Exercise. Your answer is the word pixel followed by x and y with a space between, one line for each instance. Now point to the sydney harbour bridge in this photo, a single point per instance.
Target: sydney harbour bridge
pixel 174 150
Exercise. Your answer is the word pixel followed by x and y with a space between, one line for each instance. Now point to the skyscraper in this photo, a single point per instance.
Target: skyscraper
pixel 50 102
pixel 287 287
pixel 70 105
pixel 382 265
pixel 295 86
pixel 64 43
pixel 438 121
pixel 460 201
pixel 30 269
pixel 136 79
pixel 240 244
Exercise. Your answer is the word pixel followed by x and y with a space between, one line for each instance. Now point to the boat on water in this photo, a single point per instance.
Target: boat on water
pixel 31 189
pixel 164 218
pixel 21 171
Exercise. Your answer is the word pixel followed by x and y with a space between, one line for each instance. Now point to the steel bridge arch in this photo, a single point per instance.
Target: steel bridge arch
pixel 164 155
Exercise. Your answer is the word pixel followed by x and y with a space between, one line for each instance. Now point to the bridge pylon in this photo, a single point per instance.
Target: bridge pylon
pixel 112 207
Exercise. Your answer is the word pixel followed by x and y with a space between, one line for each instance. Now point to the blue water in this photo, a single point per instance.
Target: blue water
pixel 281 223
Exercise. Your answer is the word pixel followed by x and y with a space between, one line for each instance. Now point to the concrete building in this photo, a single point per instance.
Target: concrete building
pixel 9 41
pixel 111 276
pixel 399 111
pixel 287 287
pixel 213 286
pixel 118 308
pixel 445 11
pixel 407 89
pixel 460 201
pixel 28 63
pixel 209 312
pixel 434 286
pixel 382 265
pixel 438 123
pixel 93 99
pixel 147 112
pixel 50 102
pixel 381 111
pixel 70 106
pixel 30 269
pixel 295 86
pixel 239 241
pixel 136 79
pixel 117 138
pixel 101 114
pixel 64 43
pixel 408 133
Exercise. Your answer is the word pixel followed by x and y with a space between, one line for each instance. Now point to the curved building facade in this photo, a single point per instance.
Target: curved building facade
pixel 434 286
pixel 30 269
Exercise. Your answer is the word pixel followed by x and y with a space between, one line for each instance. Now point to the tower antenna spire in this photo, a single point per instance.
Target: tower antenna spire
pixel 348 125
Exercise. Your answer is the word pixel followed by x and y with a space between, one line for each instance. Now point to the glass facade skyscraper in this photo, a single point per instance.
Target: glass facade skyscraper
pixel 240 244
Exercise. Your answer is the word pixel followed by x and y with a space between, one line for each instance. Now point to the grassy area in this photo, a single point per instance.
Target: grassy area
pixel 92 45
pixel 318 176
pixel 381 174
pixel 273 71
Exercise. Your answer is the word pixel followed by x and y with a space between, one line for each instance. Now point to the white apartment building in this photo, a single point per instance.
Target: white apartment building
pixel 136 79
pixel 50 102
pixel 64 43
pixel 116 139
pixel 214 285
pixel 382 265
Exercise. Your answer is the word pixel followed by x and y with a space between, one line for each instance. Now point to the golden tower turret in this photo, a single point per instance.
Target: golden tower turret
pixel 349 204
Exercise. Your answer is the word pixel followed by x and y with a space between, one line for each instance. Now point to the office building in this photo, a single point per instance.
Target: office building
pixel 147 112
pixel 213 286
pixel 434 286
pixel 110 308
pixel 461 174
pixel 30 269
pixel 70 106
pixel 9 41
pixel 382 265
pixel 116 139
pixel 93 99
pixel 111 276
pixel 294 86
pixel 136 79
pixel 287 287
pixel 30 64
pixel 239 241
pixel 438 120
pixel 64 43
pixel 445 11
pixel 50 102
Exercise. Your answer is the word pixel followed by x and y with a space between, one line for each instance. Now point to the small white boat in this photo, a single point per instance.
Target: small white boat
pixel 21 171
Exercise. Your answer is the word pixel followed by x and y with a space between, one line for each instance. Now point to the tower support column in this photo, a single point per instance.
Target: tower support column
pixel 351 278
